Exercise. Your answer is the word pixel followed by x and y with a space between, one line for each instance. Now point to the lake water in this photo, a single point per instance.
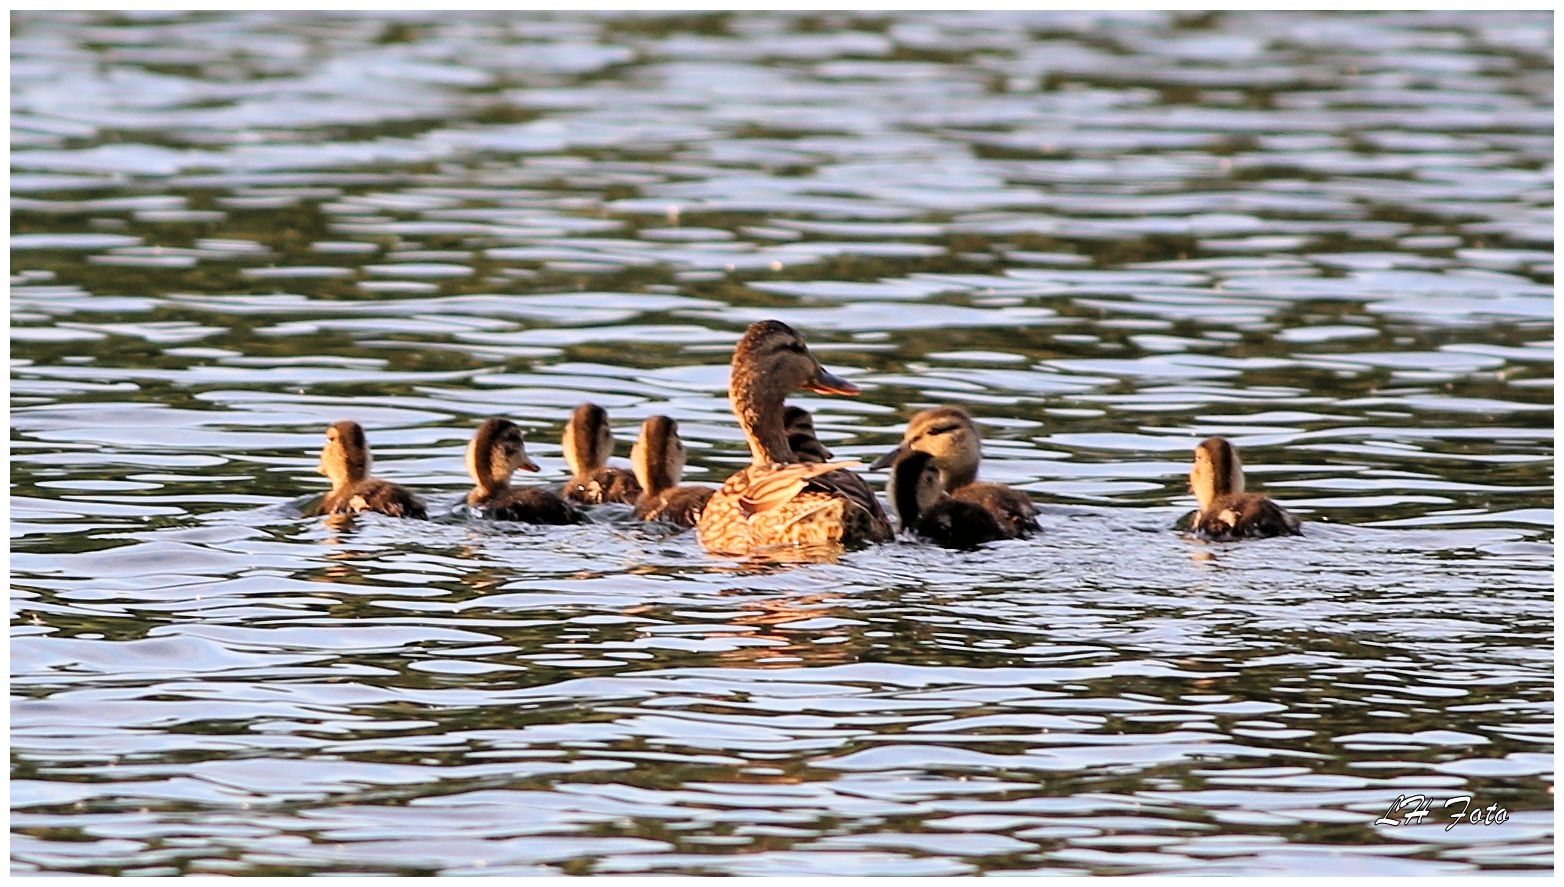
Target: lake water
pixel 1327 237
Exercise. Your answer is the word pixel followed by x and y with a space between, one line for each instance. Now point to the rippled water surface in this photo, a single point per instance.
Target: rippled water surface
pixel 1327 237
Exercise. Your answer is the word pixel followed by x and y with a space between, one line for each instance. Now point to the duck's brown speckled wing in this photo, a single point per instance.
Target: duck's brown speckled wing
pixel 532 506
pixel 680 505
pixel 791 504
pixel 602 486
pixel 375 495
pixel 1246 516
pixel 1013 509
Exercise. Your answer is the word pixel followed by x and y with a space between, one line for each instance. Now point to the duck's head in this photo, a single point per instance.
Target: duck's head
pixel 801 438
pixel 345 457
pixel 658 455
pixel 771 362
pixel 914 486
pixel 588 440
pixel 1216 472
pixel 950 437
pixel 773 359
pixel 497 451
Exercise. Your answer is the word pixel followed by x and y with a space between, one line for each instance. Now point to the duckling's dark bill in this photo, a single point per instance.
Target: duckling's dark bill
pixel 888 459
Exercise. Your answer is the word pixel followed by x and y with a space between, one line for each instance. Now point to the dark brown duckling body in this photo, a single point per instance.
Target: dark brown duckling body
pixel 531 506
pixel 1012 510
pixel 374 495
pixel 1226 512
pixel 345 460
pixel 680 505
pixel 496 452
pixel 588 444
pixel 950 436
pixel 658 457
pixel 926 512
pixel 1244 516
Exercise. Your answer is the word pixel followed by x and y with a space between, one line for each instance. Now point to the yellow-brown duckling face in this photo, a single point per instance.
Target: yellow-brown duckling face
pixel 658 455
pixel 774 360
pixel 948 435
pixel 1216 472
pixel 345 458
pixel 588 440
pixel 497 451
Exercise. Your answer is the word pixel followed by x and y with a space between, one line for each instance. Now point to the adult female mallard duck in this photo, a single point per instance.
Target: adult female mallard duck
pixel 778 500
pixel 1226 511
pixel 801 439
pixel 925 510
pixel 496 451
pixel 588 444
pixel 948 434
pixel 658 457
pixel 345 460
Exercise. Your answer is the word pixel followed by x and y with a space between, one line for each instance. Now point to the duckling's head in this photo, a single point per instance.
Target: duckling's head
pixel 345 457
pixel 658 455
pixel 1217 471
pixel 947 434
pixel 497 451
pixel 914 486
pixel 588 441
pixel 801 438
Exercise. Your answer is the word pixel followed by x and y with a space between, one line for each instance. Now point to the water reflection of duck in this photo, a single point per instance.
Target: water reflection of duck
pixel 1226 511
pixel 658 457
pixel 497 450
pixel 801 439
pixel 924 510
pixel 588 444
pixel 950 437
pixel 345 461
pixel 778 500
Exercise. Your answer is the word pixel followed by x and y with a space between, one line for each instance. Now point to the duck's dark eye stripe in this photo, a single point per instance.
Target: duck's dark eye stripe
pixel 943 429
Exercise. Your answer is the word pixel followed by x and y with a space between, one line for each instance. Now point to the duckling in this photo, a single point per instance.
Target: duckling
pixel 777 500
pixel 588 443
pixel 1226 511
pixel 345 460
pixel 925 510
pixel 949 435
pixel 496 451
pixel 801 439
pixel 658 457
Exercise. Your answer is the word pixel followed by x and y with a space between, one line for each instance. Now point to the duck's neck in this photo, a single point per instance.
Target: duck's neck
pixel 480 466
pixel 956 479
pixel 760 415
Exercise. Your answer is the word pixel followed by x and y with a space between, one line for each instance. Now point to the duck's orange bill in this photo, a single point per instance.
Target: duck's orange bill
pixel 827 382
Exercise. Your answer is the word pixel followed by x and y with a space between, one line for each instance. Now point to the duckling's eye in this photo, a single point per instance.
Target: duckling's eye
pixel 943 429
